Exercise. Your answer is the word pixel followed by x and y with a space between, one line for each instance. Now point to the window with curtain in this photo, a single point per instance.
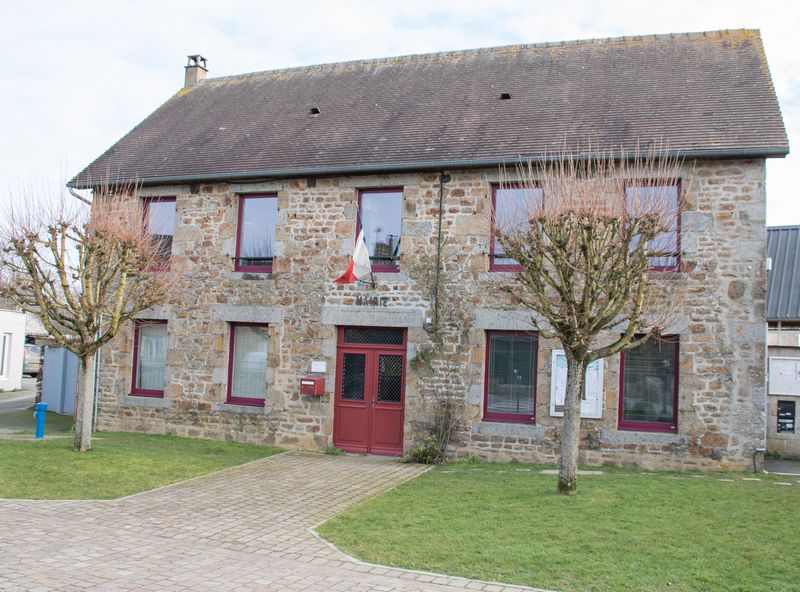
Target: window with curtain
pixel 150 358
pixel 160 218
pixel 511 376
pixel 650 386
pixel 248 364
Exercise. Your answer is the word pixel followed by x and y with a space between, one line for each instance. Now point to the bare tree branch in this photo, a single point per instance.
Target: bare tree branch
pixel 84 272
pixel 586 254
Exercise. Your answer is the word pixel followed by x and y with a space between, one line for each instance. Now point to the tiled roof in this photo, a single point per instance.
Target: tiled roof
pixel 783 283
pixel 698 93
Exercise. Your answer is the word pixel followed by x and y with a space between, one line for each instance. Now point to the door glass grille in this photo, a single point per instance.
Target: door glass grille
pixel 390 379
pixel 373 335
pixel 353 372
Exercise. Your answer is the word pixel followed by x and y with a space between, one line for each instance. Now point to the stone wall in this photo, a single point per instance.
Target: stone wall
pixel 722 329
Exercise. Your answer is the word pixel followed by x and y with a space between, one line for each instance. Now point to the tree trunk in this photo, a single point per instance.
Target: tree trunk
pixel 85 406
pixel 571 434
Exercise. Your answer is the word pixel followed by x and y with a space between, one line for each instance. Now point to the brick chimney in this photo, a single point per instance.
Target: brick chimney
pixel 195 70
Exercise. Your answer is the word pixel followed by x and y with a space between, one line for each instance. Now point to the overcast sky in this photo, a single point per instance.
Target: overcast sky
pixel 77 75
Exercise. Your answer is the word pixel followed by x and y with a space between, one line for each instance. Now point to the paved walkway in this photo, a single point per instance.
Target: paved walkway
pixel 243 529
pixel 782 467
pixel 20 399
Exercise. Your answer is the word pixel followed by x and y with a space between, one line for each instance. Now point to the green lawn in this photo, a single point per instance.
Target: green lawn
pixel 119 464
pixel 623 531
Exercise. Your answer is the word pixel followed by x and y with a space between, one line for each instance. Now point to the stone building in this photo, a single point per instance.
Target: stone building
pixel 254 183
pixel 783 340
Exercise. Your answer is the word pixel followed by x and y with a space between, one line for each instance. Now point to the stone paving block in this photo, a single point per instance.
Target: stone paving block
pixel 244 528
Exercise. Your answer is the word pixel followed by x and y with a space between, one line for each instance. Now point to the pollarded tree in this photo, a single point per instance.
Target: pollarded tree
pixel 84 271
pixel 596 244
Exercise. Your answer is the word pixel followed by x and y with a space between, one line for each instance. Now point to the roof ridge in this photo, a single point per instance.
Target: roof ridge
pixel 498 49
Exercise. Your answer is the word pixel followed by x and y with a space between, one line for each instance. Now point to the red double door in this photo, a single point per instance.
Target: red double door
pixel 370 390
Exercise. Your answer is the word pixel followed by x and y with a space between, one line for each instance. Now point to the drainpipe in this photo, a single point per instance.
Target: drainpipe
pixel 443 178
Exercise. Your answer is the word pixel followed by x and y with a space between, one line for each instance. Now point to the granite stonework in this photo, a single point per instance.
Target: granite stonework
pixel 722 340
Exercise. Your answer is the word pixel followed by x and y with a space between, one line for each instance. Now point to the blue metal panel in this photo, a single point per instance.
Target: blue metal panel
pixel 59 380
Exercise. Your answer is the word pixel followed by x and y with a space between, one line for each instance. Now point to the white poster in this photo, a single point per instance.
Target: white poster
pixel 592 402
pixel 784 376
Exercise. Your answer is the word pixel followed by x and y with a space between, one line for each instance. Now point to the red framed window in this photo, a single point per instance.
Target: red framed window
pixel 510 376
pixel 247 364
pixel 655 197
pixel 510 209
pixel 648 386
pixel 149 358
pixel 255 232
pixel 159 216
pixel 381 216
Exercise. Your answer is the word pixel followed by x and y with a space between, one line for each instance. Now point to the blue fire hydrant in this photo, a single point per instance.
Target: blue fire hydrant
pixel 40 414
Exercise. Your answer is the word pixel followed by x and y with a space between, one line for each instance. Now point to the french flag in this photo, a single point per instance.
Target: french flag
pixel 359 266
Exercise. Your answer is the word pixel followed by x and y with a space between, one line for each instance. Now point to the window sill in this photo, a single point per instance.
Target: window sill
pixel 253 270
pixel 496 428
pixel 630 437
pixel 236 408
pixel 251 275
pixel 643 427
pixel 153 402
pixel 245 402
pixel 523 419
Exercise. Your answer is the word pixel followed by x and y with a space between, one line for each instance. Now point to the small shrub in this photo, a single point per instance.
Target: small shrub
pixel 333 451
pixel 473 459
pixel 423 360
pixel 428 452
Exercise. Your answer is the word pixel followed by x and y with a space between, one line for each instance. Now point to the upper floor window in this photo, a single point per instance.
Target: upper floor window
pixel 663 199
pixel 510 376
pixel 649 386
pixel 159 215
pixel 255 236
pixel 149 358
pixel 511 207
pixel 381 214
pixel 247 364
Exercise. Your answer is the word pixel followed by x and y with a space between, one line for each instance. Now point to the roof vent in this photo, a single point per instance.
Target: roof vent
pixel 505 96
pixel 314 111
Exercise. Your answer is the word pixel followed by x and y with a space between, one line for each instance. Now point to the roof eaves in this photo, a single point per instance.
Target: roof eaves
pixel 76 183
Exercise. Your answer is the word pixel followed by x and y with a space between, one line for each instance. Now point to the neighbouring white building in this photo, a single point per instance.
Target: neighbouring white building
pixel 783 318
pixel 12 347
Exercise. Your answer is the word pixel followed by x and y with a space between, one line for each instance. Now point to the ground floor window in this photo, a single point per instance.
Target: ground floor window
pixel 649 387
pixel 247 364
pixel 149 358
pixel 5 354
pixel 510 383
pixel 786 417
